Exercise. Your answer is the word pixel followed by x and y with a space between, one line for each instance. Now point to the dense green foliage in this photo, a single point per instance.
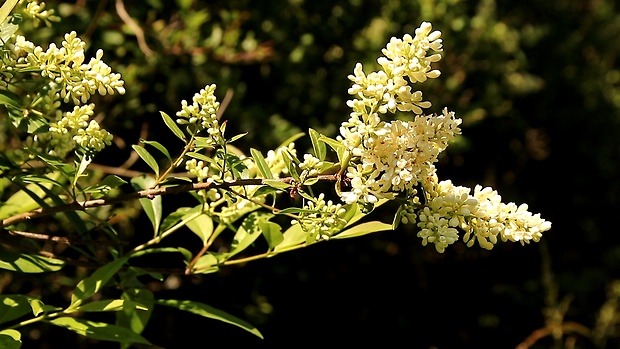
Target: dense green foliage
pixel 538 87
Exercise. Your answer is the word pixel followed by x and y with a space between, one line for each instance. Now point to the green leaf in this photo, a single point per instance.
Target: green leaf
pixel 6 9
pixel 276 184
pixel 264 190
pixel 320 150
pixel 263 168
pixel 272 233
pixel 173 218
pixel 148 158
pixel 292 139
pixel 108 183
pixel 201 226
pixel 92 284
pixel 209 312
pixel 37 306
pixel 338 147
pixel 152 207
pixel 81 168
pixel 202 157
pixel 206 264
pixel 7 29
pixel 173 126
pixel 142 253
pixel 234 138
pixel 363 229
pixel 248 232
pixel 10 339
pixel 293 236
pixel 295 210
pixel 289 161
pixel 129 317
pixel 21 201
pixel 108 305
pixel 159 147
pixel 13 306
pixel 28 263
pixel 99 330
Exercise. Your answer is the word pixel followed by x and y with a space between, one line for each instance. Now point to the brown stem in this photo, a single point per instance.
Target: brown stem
pixel 148 193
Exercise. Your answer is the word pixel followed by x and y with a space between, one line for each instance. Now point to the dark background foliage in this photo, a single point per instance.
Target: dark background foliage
pixel 537 84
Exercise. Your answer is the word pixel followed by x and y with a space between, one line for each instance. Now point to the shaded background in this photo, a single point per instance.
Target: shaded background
pixel 537 85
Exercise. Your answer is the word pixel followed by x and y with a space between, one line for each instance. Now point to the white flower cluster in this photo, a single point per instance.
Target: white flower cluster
pixel 65 66
pixel 198 169
pixel 275 159
pixel 392 157
pixel 396 156
pixel 482 216
pixel 37 11
pixel 322 218
pixel 74 128
pixel 202 114
pixel 310 166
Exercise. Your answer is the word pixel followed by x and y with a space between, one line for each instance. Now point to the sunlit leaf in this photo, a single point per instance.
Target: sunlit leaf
pixel 159 147
pixel 148 158
pixel 276 184
pixel 293 236
pixel 173 126
pixel 272 233
pixel 318 145
pixel 28 263
pixel 92 284
pixel 263 168
pixel 13 306
pixel 131 319
pixel 363 229
pixel 108 305
pixel 209 312
pixel 99 330
pixel 248 232
pixel 6 9
pixel 152 207
pixel 21 201
pixel 10 339
pixel 202 226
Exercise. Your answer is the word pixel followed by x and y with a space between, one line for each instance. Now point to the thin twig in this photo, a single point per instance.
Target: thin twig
pixel 148 193
pixel 62 239
pixel 122 13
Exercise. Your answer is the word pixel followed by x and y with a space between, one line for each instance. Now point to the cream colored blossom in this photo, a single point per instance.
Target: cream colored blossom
pixel 202 115
pixel 65 66
pixel 323 219
pixel 37 11
pixel 481 216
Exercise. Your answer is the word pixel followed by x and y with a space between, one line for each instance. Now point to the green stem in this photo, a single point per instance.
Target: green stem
pixel 175 163
pixel 171 230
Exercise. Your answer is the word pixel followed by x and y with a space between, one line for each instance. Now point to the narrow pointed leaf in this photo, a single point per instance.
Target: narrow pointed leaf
pixel 148 158
pixel 173 126
pixel 209 312
pixel 263 168
pixel 152 207
pixel 29 263
pixel 92 284
pixel 129 317
pixel 99 330
pixel 159 147
pixel 363 229
pixel 320 151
